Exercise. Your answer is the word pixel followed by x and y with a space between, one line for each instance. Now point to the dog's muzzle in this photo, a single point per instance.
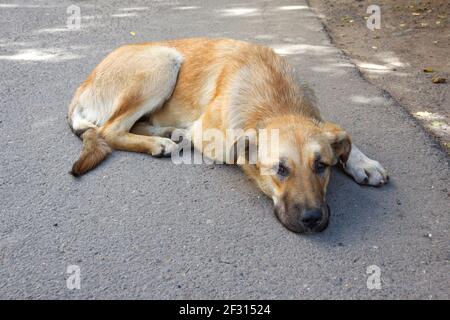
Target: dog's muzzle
pixel 299 220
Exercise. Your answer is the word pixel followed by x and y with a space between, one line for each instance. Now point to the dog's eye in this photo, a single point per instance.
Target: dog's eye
pixel 283 171
pixel 320 167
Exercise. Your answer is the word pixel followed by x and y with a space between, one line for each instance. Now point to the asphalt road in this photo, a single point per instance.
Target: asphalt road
pixel 140 227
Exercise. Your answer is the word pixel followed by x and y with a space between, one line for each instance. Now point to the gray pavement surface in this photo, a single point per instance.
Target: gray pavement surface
pixel 140 227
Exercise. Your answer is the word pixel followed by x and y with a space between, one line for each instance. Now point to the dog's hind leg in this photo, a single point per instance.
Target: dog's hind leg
pixel 152 81
pixel 131 82
pixel 365 170
pixel 116 130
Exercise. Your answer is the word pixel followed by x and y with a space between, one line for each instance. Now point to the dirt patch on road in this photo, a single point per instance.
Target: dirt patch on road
pixel 409 56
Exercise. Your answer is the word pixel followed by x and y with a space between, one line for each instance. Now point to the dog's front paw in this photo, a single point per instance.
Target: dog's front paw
pixel 163 148
pixel 365 170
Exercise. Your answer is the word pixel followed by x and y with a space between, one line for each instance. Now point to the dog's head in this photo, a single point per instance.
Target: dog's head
pixel 297 175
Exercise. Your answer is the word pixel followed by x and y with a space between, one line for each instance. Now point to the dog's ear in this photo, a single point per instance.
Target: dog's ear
pixel 339 140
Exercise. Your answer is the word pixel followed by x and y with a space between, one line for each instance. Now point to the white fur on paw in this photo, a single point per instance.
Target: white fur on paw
pixel 366 171
pixel 163 148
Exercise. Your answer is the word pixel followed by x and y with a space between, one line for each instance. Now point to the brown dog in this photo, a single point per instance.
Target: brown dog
pixel 139 94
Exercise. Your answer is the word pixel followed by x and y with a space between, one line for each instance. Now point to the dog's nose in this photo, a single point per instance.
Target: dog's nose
pixel 311 217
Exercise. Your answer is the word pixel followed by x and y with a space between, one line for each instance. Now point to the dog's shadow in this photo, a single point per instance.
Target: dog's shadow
pixel 355 209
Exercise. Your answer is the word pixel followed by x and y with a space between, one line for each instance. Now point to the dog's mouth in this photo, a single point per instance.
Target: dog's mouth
pixel 294 223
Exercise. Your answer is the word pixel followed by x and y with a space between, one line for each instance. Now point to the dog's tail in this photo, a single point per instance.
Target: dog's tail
pixel 95 150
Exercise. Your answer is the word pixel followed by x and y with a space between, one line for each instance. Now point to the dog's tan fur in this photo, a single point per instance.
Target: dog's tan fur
pixel 140 93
